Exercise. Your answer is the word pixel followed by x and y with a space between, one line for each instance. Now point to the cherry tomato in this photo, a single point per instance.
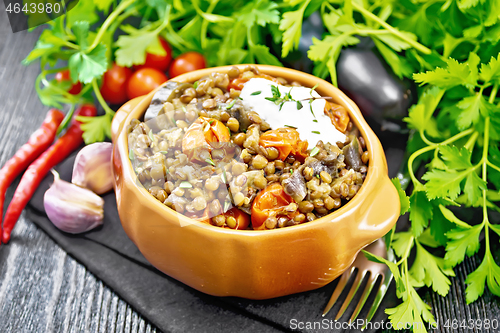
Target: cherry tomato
pixel 338 115
pixel 198 139
pixel 144 81
pixel 64 76
pixel 268 203
pixel 114 84
pixel 160 62
pixel 187 62
pixel 287 141
pixel 242 218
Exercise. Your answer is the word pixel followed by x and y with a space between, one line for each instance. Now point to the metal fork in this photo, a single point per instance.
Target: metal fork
pixel 364 267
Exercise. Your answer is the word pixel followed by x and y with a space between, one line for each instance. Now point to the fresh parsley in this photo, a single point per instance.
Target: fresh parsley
pixel 460 139
pixel 280 99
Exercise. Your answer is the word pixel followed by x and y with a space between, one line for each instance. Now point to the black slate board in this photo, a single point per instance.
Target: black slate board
pixel 172 306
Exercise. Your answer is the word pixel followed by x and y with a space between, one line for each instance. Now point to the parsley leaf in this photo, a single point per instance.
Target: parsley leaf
pixel 450 216
pixel 328 50
pixel 473 188
pixel 103 5
pixel 444 184
pixel 81 31
pixel 260 12
pixel 398 64
pixel 84 67
pixel 48 44
pixel 403 199
pixel 430 270
pixel 410 312
pixel 491 71
pixel 291 25
pixel 95 129
pixel 82 11
pixel 462 241
pixel 264 56
pixel 455 159
pixel 396 43
pixel 488 272
pixel 455 74
pixel 420 115
pixel 401 242
pixel 420 212
pixel 471 108
pixel 132 48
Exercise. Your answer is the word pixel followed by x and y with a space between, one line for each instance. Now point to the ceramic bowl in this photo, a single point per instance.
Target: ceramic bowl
pixel 247 263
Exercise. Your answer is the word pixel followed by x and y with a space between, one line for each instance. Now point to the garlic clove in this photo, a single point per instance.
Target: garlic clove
pixel 72 208
pixel 93 168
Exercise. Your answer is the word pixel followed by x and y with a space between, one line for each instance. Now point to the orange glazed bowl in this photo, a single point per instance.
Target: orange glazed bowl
pixel 255 264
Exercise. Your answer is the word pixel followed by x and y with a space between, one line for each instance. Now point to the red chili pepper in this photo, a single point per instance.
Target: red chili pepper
pixel 36 172
pixel 38 142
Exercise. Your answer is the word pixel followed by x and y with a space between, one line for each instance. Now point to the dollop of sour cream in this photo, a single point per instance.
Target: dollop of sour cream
pixel 311 127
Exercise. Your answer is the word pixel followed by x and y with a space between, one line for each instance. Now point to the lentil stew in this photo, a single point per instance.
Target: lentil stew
pixel 238 150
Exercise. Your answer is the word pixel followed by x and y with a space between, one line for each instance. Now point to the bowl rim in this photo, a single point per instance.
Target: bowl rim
pixel 377 169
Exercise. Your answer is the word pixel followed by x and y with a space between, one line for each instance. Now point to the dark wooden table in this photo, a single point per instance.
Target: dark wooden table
pixel 43 289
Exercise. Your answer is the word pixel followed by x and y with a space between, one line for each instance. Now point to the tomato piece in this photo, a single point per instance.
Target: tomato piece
pixel 114 84
pixel 187 62
pixel 269 202
pixel 144 81
pixel 242 218
pixel 239 82
pixel 160 62
pixel 201 133
pixel 338 115
pixel 63 76
pixel 287 141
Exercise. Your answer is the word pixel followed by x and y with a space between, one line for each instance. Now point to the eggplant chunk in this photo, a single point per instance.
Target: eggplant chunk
pixel 352 153
pixel 295 186
pixel 331 164
pixel 238 111
pixel 166 93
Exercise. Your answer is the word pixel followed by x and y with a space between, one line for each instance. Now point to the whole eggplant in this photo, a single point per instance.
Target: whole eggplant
pixel 363 75
pixel 383 98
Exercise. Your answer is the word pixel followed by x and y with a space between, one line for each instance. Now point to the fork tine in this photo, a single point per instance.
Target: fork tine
pixel 354 288
pixel 379 297
pixel 384 286
pixel 338 290
pixel 372 281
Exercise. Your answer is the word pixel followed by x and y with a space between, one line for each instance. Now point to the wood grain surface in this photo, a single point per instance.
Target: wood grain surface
pixel 42 289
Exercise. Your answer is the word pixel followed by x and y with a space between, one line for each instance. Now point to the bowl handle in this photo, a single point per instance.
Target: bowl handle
pixel 380 213
pixel 121 114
